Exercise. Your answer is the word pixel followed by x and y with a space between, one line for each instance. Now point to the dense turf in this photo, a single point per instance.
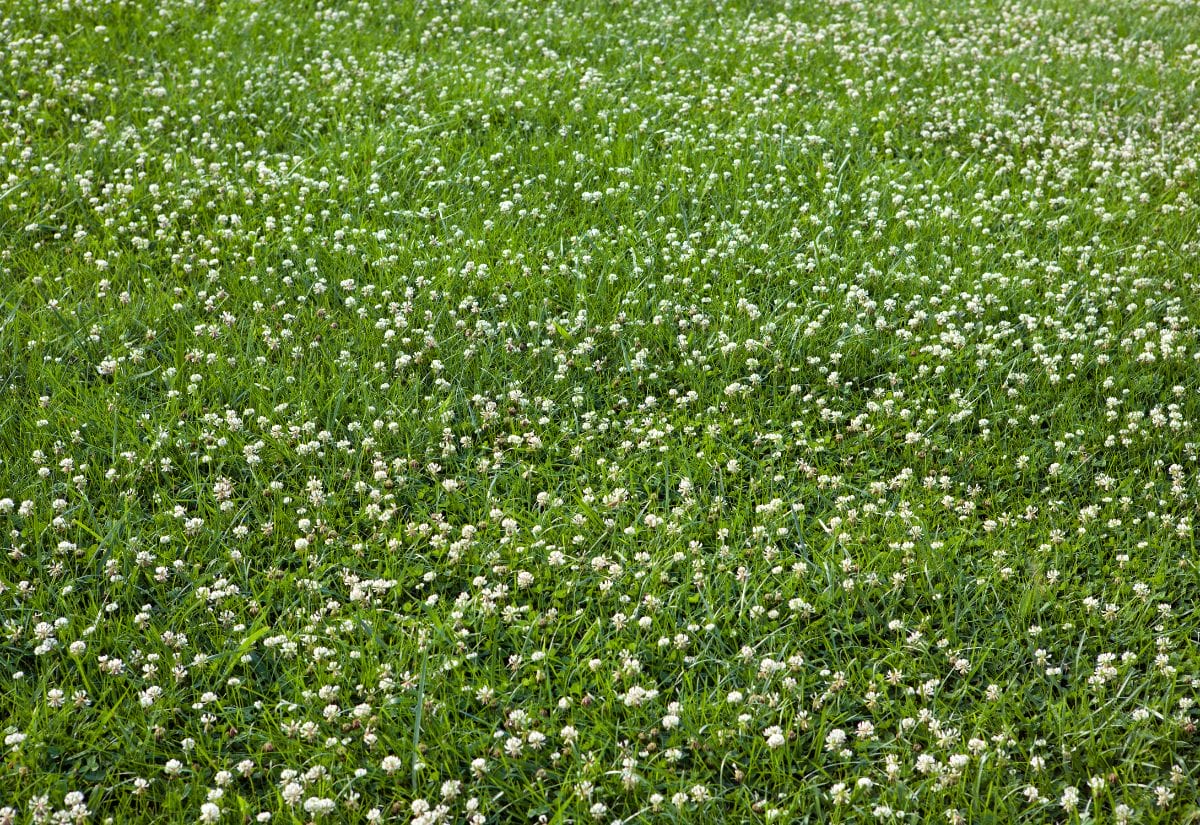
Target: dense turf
pixel 599 411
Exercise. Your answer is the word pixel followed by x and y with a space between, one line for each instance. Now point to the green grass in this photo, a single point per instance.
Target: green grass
pixel 599 412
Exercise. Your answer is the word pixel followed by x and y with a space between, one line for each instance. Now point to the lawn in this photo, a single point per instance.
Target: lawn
pixel 550 411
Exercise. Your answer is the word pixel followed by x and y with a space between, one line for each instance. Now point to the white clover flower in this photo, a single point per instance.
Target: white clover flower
pixel 775 737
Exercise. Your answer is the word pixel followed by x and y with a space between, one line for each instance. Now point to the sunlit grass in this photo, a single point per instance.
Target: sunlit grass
pixel 598 412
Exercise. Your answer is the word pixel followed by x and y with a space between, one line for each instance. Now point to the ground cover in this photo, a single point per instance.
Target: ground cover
pixel 598 411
